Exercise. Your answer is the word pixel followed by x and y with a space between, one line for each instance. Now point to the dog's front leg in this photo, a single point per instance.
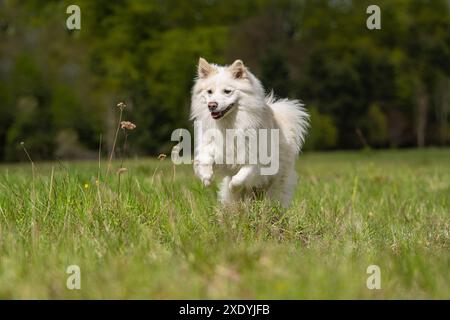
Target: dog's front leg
pixel 244 177
pixel 203 164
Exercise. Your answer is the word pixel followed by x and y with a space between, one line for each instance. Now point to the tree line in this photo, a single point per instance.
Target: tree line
pixel 364 88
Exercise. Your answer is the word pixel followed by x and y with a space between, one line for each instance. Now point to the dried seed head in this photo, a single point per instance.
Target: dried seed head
pixel 162 156
pixel 121 105
pixel 127 125
pixel 122 170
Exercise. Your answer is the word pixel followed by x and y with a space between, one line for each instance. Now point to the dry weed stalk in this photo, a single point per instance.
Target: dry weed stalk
pixel 33 194
pixel 125 126
pixel 161 157
pixel 121 106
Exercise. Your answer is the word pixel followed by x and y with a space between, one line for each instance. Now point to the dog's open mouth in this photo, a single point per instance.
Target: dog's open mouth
pixel 219 114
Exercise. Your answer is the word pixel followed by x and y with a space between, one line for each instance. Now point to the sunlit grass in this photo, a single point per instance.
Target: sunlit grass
pixel 160 235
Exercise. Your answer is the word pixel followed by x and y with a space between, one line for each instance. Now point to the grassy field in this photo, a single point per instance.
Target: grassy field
pixel 156 235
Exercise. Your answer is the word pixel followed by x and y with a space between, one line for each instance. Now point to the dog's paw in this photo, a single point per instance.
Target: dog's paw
pixel 235 185
pixel 206 182
pixel 206 179
pixel 204 172
pixel 206 176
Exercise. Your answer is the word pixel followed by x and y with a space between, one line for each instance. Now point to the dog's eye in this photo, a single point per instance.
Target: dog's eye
pixel 209 91
pixel 226 91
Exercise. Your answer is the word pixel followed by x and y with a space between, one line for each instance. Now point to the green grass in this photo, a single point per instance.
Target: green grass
pixel 157 236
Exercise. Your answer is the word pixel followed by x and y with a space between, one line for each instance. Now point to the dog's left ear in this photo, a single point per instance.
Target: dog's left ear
pixel 204 68
pixel 238 69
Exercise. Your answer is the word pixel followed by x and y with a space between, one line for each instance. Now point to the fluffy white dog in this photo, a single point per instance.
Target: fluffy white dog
pixel 230 101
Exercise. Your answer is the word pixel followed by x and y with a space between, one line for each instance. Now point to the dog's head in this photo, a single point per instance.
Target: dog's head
pixel 218 89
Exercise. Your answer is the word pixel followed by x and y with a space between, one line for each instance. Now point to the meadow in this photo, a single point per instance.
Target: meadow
pixel 154 232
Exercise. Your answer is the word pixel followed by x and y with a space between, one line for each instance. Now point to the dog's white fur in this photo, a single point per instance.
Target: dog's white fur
pixel 235 85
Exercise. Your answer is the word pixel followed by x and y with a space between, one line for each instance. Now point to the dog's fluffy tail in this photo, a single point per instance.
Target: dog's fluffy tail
pixel 292 119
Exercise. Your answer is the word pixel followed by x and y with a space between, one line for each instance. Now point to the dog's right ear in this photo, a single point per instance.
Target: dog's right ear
pixel 204 68
pixel 238 69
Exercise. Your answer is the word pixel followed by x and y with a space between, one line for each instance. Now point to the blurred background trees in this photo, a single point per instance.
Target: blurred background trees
pixel 364 88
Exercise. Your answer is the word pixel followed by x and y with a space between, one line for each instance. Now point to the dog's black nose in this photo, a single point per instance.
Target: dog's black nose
pixel 212 106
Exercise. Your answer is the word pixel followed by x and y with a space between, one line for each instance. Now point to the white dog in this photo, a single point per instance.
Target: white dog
pixel 230 97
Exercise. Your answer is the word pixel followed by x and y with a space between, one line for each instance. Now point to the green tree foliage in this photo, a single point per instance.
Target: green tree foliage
pixel 275 73
pixel 380 88
pixel 375 124
pixel 323 132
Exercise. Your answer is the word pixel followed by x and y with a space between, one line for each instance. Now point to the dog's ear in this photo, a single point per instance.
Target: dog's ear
pixel 204 68
pixel 238 69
